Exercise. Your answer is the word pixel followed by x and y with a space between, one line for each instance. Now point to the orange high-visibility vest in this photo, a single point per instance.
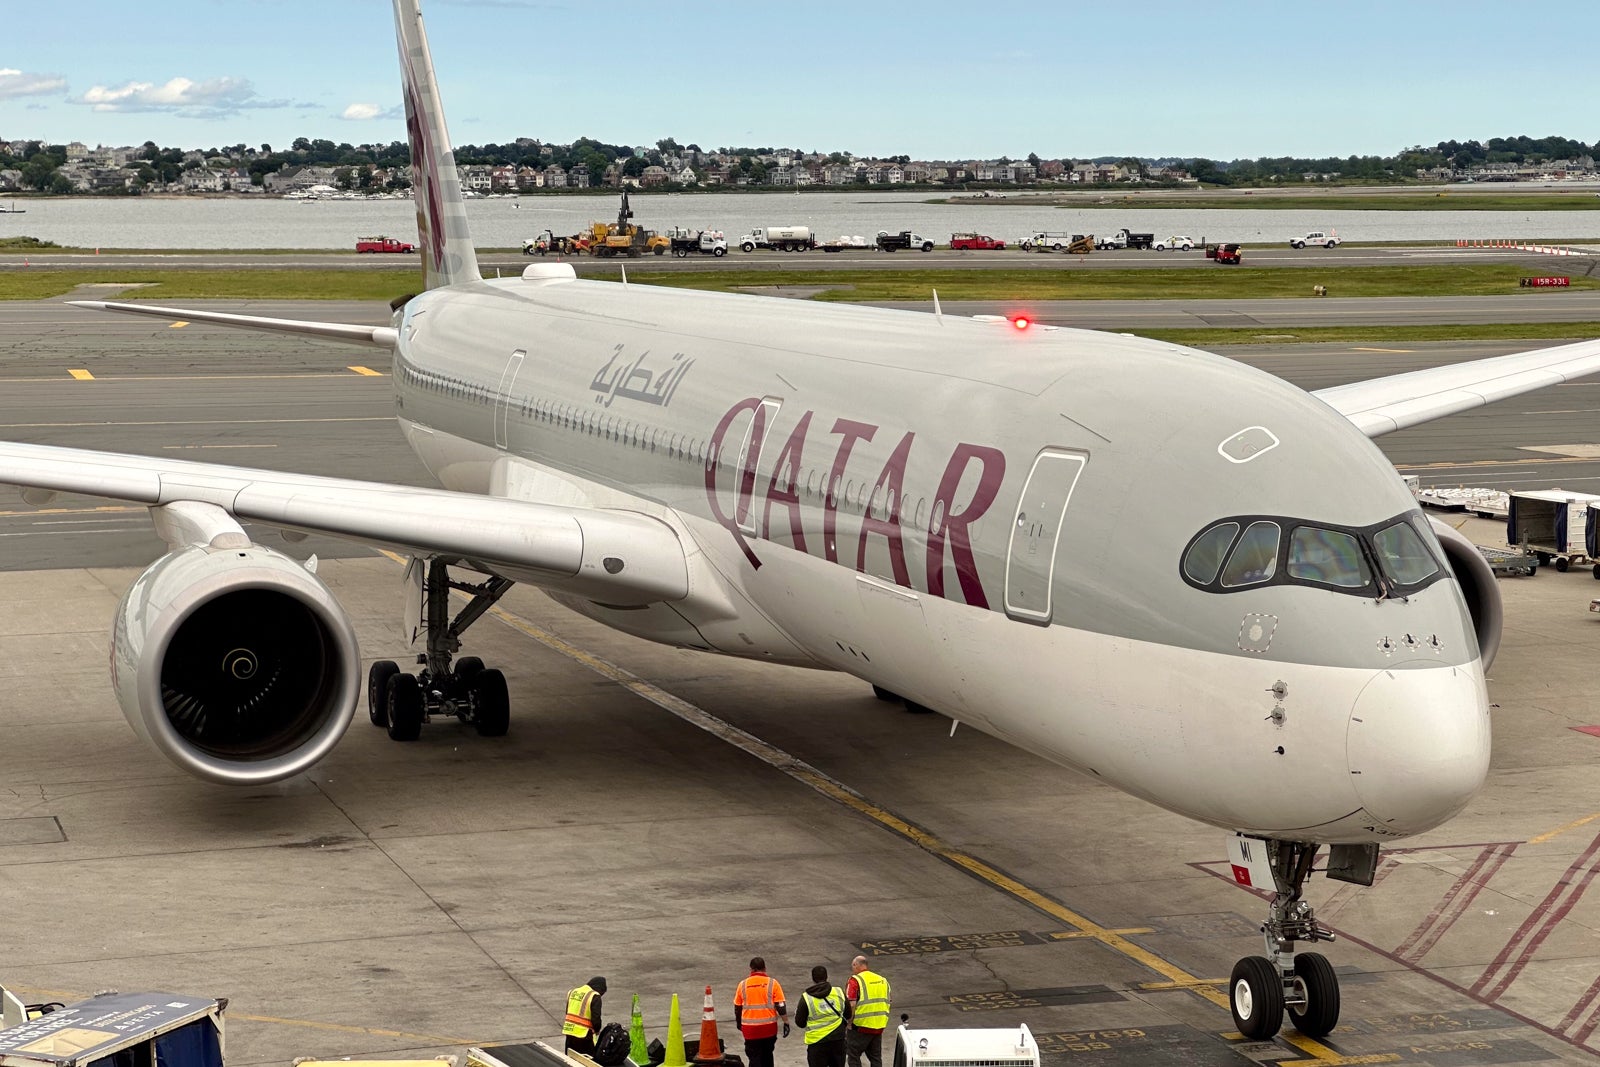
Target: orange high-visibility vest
pixel 758 995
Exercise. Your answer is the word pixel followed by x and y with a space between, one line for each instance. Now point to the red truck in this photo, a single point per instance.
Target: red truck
pixel 383 244
pixel 974 240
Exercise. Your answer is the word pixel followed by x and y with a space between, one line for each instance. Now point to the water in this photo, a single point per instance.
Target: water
pixel 501 223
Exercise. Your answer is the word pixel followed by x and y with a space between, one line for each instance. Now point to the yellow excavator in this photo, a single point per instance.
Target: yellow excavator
pixel 623 238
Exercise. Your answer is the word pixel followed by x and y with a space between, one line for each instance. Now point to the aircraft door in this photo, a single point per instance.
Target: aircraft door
pixel 1036 534
pixel 502 400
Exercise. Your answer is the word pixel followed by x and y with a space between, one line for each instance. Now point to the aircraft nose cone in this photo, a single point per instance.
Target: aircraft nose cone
pixel 1418 745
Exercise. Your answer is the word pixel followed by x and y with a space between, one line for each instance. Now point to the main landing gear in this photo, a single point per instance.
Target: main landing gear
pixel 1303 983
pixel 474 694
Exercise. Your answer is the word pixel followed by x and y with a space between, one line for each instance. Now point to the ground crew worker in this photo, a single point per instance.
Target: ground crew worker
pixel 868 994
pixel 582 1021
pixel 757 1009
pixel 823 1012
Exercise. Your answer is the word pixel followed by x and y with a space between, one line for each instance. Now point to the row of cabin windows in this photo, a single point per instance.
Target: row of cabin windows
pixel 851 494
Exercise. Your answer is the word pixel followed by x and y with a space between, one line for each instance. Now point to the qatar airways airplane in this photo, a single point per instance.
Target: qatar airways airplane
pixel 1163 569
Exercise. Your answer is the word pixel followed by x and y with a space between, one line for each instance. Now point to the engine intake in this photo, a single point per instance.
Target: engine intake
pixel 1477 582
pixel 235 663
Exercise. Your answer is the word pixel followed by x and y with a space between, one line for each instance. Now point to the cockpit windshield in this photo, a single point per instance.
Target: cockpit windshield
pixel 1389 558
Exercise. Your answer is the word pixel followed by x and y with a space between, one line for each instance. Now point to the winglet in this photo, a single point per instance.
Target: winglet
pixel 448 256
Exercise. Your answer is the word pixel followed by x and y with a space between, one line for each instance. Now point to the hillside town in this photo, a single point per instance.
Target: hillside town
pixel 314 168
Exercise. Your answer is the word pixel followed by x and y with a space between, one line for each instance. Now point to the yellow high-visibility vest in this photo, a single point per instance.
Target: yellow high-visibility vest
pixel 872 1006
pixel 823 1014
pixel 580 1012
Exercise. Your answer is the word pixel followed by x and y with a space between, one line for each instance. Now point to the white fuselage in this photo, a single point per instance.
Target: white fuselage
pixel 854 495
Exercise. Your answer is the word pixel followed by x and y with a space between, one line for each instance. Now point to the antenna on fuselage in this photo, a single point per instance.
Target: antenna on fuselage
pixel 938 312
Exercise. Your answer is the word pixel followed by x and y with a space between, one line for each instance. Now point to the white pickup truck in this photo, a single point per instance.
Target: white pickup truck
pixel 1315 237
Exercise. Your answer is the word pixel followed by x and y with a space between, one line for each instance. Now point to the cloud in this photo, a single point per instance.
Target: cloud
pixel 359 112
pixel 14 83
pixel 215 96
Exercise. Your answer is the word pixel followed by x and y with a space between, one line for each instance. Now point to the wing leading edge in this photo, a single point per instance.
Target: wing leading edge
pixel 1382 405
pixel 377 336
pixel 617 557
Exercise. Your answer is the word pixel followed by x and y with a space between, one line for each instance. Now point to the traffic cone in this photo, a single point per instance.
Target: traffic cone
pixel 710 1050
pixel 637 1049
pixel 675 1057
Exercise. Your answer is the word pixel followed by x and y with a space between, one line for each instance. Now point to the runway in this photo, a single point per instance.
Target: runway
pixel 658 815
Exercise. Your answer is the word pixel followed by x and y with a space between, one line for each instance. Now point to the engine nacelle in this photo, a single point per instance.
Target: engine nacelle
pixel 236 663
pixel 1477 583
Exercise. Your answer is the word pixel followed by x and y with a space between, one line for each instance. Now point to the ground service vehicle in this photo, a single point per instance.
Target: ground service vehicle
pixel 1125 238
pixel 1315 237
pixel 1228 253
pixel 704 242
pixel 1009 1047
pixel 893 242
pixel 779 239
pixel 116 1030
pixel 383 244
pixel 1059 242
pixel 974 240
pixel 1177 242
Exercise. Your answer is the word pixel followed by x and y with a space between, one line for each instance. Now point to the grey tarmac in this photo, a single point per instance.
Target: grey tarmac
pixel 658 815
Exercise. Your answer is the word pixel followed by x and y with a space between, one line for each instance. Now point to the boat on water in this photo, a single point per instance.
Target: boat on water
pixel 13 209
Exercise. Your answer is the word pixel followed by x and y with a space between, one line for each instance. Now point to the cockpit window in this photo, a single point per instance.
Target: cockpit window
pixel 1255 558
pixel 1386 559
pixel 1403 556
pixel 1204 558
pixel 1328 557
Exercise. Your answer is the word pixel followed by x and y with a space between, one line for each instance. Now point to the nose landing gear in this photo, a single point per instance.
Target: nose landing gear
pixel 1303 983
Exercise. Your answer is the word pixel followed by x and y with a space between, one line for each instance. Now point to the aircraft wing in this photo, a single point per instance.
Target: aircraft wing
pixel 1381 405
pixel 379 336
pixel 617 557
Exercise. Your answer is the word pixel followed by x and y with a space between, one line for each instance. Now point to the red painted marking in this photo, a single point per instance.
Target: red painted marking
pixel 1584 1003
pixel 1455 902
pixel 1541 923
pixel 1592 731
pixel 1212 868
pixel 1241 875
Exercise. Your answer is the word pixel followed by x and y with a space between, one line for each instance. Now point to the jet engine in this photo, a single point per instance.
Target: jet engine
pixel 1477 586
pixel 235 662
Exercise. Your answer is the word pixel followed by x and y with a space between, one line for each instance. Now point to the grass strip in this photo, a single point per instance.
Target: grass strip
pixel 1376 335
pixel 1267 201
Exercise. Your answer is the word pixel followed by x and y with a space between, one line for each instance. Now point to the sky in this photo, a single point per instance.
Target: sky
pixel 1222 79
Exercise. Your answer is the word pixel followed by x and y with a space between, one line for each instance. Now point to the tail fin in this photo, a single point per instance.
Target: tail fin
pixel 448 257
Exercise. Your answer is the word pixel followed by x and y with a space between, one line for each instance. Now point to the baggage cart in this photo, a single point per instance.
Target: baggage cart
pixel 1552 524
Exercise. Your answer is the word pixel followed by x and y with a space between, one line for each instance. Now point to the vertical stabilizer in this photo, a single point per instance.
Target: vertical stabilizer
pixel 448 257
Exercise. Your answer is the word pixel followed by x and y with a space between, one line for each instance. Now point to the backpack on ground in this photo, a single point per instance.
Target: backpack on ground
pixel 611 1046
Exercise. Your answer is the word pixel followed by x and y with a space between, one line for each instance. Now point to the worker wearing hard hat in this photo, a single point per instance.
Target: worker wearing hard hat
pixel 868 994
pixel 582 1020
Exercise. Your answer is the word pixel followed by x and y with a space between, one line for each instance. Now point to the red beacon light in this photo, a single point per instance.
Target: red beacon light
pixel 1022 322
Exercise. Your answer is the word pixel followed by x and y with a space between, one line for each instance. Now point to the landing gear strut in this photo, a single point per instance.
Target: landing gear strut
pixel 402 702
pixel 1304 983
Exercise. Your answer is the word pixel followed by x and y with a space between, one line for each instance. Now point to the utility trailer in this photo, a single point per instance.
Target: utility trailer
pixel 115 1030
pixel 1552 524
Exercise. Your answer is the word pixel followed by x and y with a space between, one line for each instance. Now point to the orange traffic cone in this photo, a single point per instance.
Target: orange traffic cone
pixel 710 1050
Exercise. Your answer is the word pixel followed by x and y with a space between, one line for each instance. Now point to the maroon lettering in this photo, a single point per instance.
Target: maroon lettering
pixel 787 493
pixel 715 450
pixel 852 432
pixel 891 484
pixel 947 524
